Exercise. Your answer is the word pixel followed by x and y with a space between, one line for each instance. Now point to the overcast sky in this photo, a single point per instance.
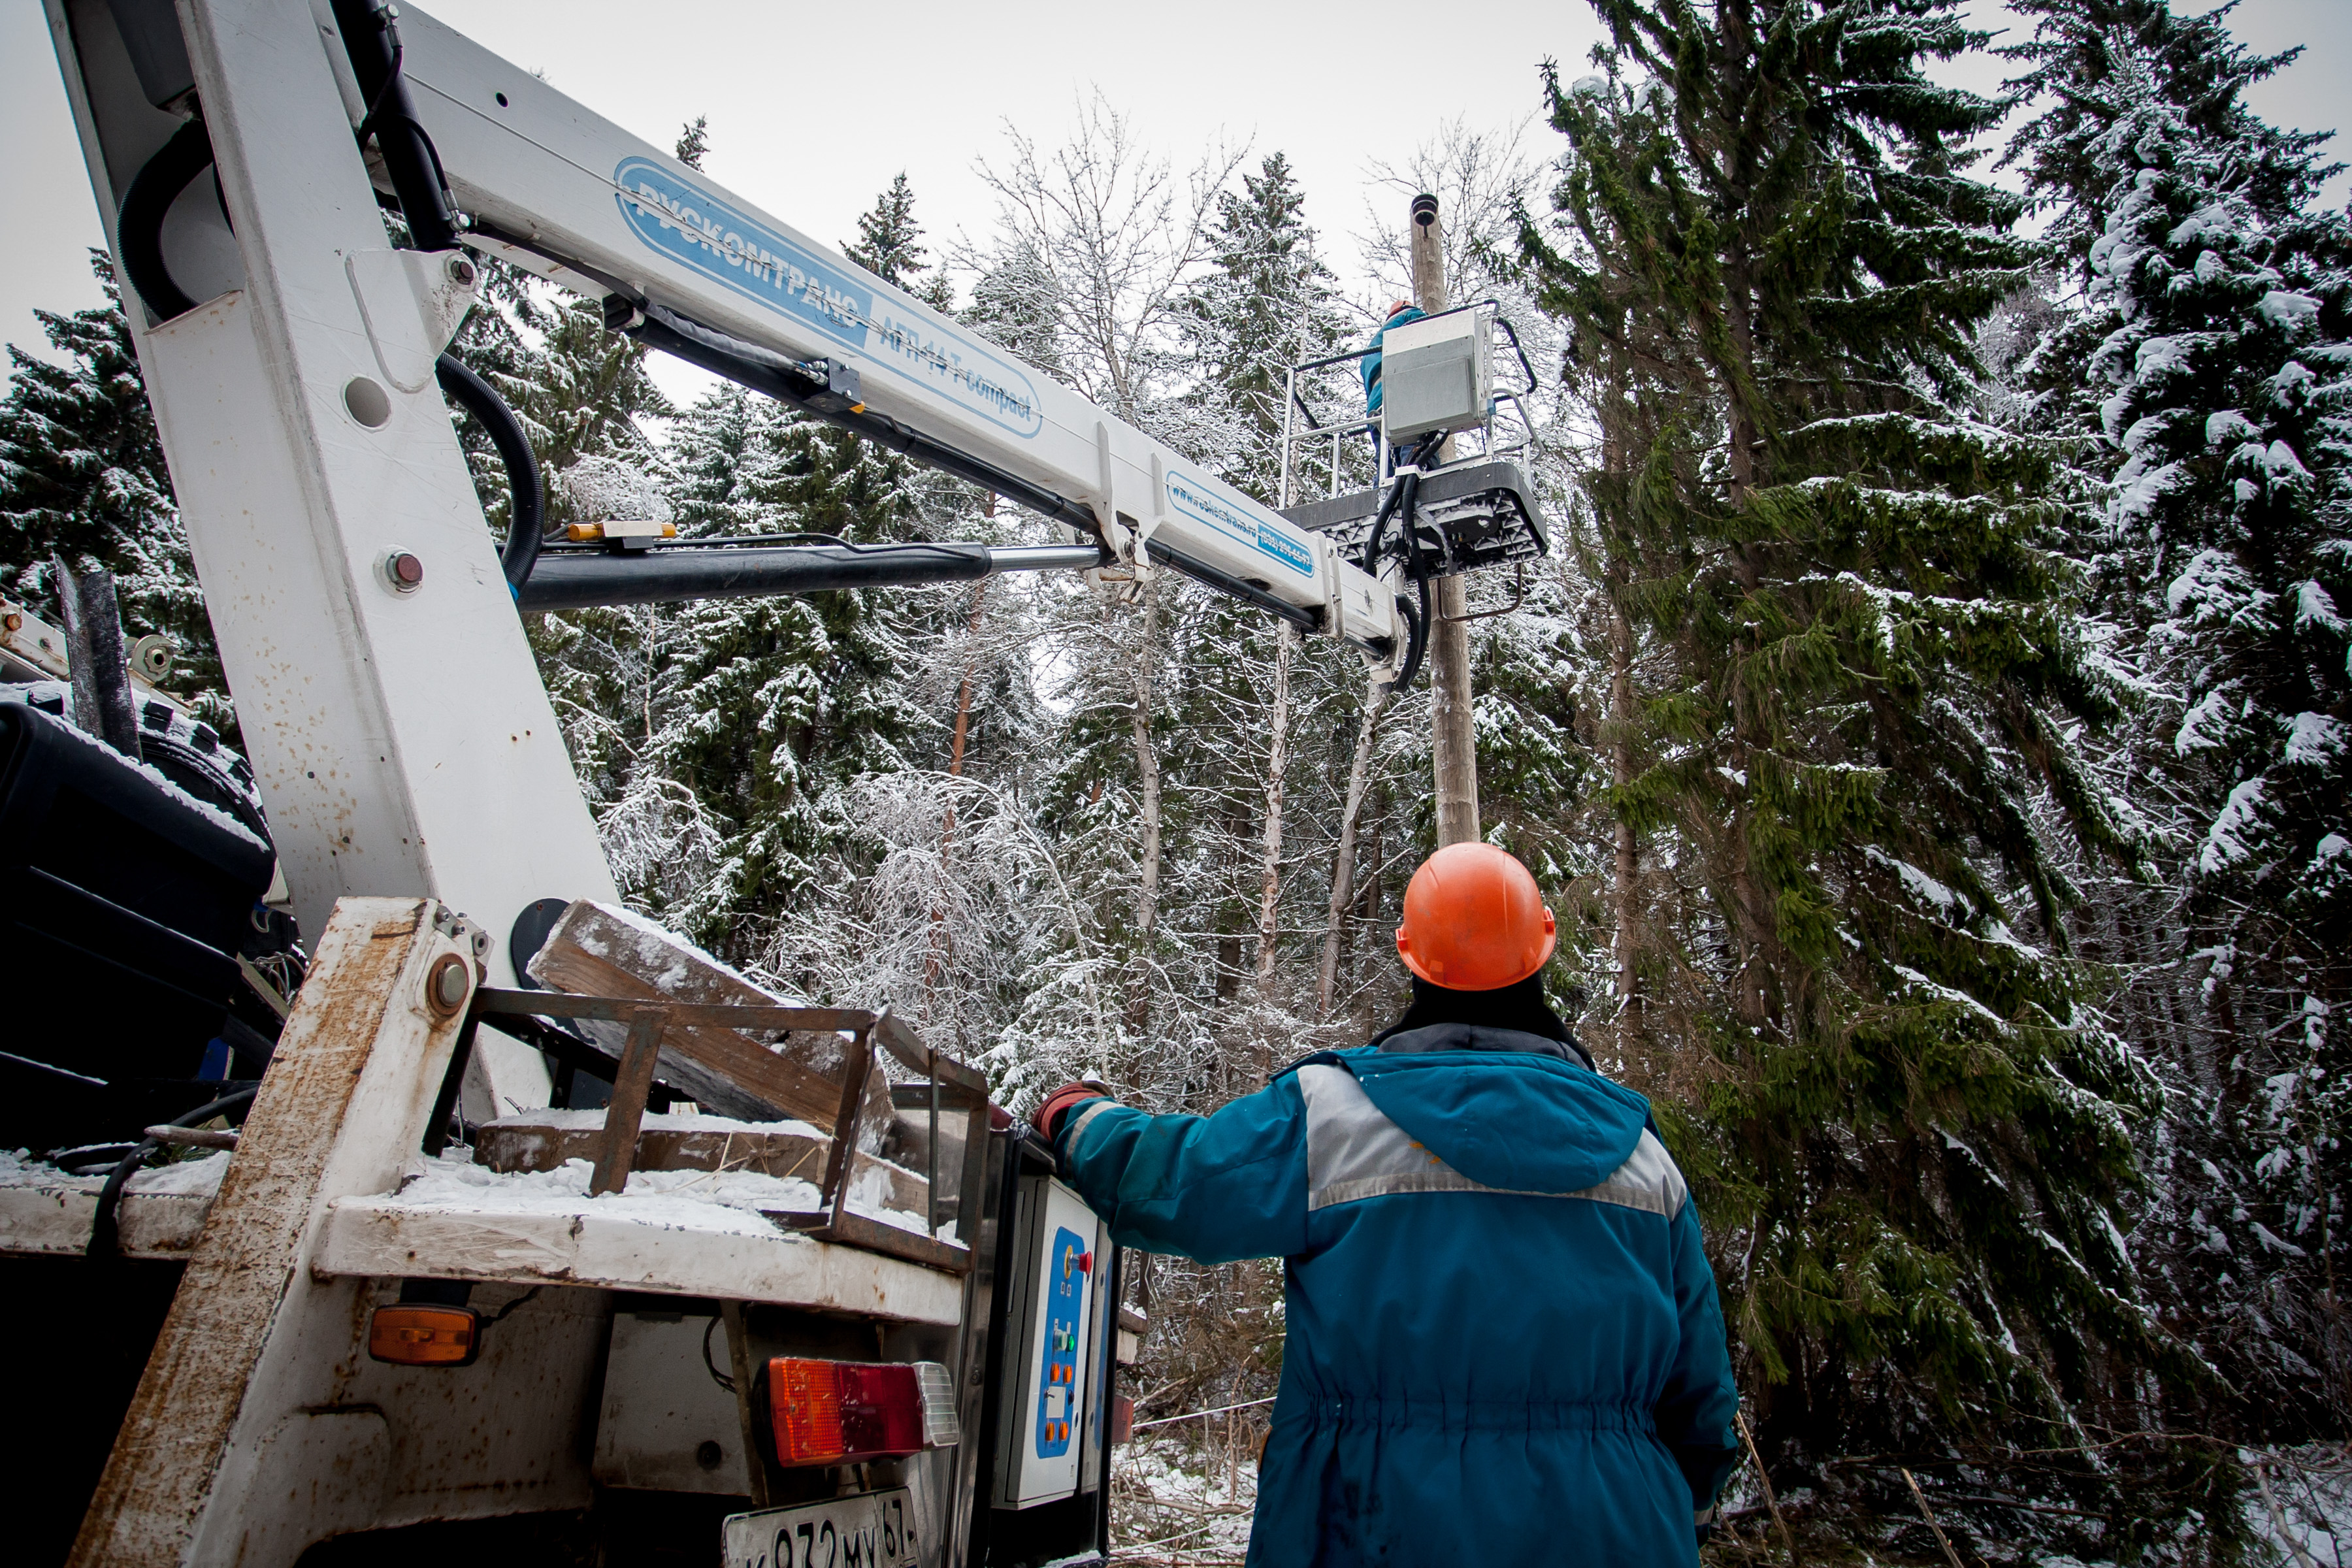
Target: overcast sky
pixel 814 109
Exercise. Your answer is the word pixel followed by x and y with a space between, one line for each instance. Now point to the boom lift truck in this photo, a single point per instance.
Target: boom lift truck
pixel 900 1349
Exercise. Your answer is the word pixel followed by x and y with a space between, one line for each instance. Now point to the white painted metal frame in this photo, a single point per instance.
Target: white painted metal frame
pixel 403 742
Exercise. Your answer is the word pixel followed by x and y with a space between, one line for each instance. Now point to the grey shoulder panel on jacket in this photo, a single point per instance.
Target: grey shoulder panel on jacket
pixel 1354 1152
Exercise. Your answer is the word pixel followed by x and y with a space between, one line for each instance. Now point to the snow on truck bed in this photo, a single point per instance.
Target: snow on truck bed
pixel 200 1175
pixel 694 1233
pixel 712 1203
pixel 46 1210
pixel 725 1202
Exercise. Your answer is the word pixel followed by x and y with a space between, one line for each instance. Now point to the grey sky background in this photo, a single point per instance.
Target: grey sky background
pixel 812 108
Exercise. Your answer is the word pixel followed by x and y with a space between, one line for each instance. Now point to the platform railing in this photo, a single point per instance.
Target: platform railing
pixel 1299 379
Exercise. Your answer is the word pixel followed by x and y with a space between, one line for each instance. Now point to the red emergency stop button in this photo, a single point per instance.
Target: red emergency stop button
pixel 1086 1263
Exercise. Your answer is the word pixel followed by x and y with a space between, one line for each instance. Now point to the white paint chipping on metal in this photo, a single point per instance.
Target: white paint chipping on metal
pixel 55 1217
pixel 376 1236
pixel 250 1338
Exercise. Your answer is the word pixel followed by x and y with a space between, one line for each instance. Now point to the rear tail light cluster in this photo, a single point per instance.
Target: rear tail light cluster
pixel 839 1412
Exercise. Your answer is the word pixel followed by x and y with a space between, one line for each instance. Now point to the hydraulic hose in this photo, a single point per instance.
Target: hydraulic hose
pixel 422 194
pixel 1416 636
pixel 1402 499
pixel 372 42
pixel 1407 491
pixel 1380 524
pixel 527 496
pixel 139 221
pixel 105 1229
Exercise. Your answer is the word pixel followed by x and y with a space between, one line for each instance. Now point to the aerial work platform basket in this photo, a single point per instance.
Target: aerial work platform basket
pixel 1470 510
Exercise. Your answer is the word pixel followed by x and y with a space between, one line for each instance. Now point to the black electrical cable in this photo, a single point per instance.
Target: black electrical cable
pixel 1406 489
pixel 717 1376
pixel 527 496
pixel 1403 502
pixel 139 221
pixel 105 1229
pixel 372 43
pixel 1416 636
pixel 1381 526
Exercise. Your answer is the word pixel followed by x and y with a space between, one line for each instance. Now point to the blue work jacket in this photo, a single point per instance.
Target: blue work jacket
pixel 1504 1344
pixel 1371 362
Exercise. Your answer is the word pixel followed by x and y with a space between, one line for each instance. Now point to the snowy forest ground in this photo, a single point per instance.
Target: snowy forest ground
pixel 1931 725
pixel 1184 1501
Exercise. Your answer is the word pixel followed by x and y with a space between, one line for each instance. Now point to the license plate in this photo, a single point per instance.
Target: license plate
pixel 872 1530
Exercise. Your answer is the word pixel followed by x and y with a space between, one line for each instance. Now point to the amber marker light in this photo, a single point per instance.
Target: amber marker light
pixel 415 1335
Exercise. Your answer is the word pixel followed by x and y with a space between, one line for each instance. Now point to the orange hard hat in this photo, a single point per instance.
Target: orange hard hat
pixel 1473 920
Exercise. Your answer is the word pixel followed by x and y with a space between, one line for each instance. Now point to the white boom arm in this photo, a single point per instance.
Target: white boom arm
pixel 610 215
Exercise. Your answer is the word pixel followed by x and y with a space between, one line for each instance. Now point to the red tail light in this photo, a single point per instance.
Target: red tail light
pixel 838 1411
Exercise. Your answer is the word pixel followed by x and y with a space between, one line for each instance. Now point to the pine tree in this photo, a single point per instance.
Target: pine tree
pixel 82 475
pixel 773 711
pixel 1265 302
pixel 2215 341
pixel 889 246
pixel 1904 1117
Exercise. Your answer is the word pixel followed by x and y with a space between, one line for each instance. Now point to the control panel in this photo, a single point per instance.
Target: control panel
pixel 1069 1266
pixel 1052 1420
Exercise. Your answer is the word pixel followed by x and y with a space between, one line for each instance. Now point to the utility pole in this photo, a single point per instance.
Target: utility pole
pixel 1452 717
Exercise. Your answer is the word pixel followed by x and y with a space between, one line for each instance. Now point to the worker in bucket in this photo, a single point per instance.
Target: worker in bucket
pixel 1504 1344
pixel 1399 313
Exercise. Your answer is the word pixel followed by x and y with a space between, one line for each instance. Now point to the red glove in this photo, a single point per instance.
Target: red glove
pixel 1061 1100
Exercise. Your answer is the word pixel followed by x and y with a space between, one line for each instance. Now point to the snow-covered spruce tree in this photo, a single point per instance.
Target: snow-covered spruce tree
pixel 82 475
pixel 1243 691
pixel 1265 302
pixel 2217 336
pixel 1909 1138
pixel 775 701
pixel 786 710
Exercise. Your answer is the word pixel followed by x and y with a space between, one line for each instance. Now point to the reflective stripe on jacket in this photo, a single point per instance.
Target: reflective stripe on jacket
pixel 1502 1333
